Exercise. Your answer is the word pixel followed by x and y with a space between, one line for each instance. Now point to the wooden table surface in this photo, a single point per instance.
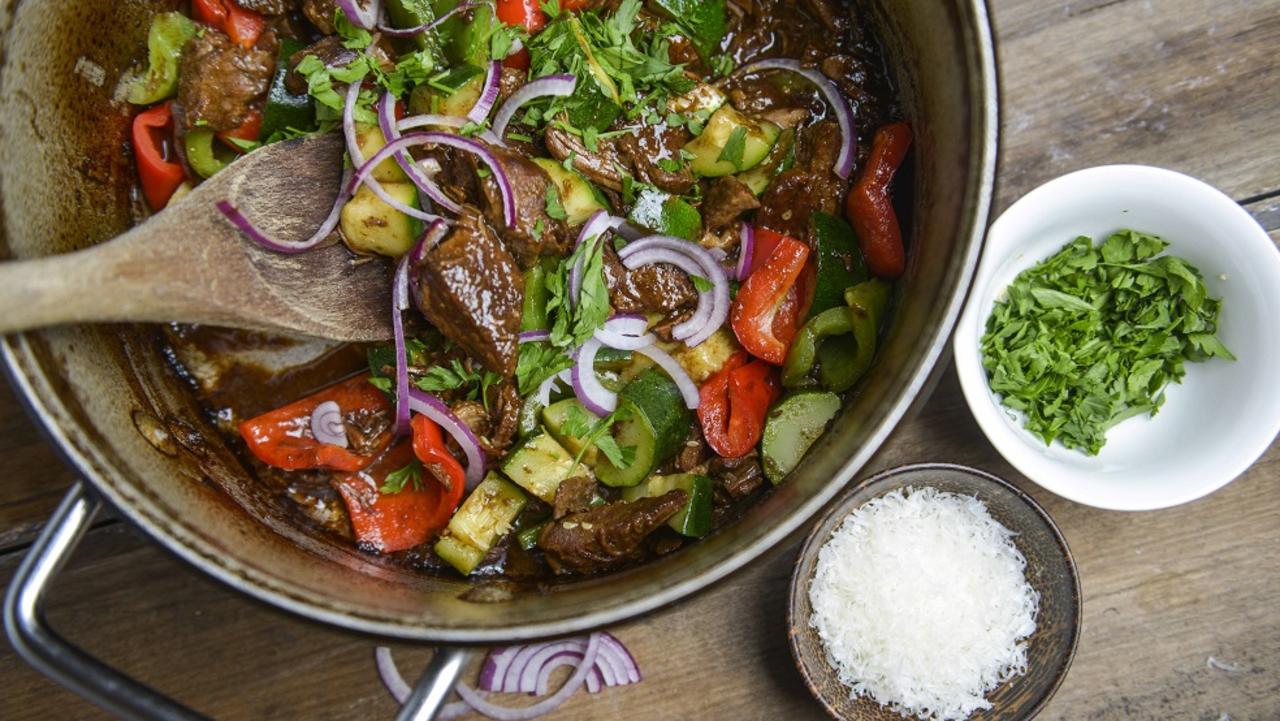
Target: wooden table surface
pixel 1192 85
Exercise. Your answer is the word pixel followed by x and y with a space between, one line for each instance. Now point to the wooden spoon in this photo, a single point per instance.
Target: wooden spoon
pixel 189 264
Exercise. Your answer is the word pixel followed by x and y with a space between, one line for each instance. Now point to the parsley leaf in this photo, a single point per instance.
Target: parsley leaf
pixel 536 363
pixel 554 208
pixel 1094 334
pixel 734 147
pixel 401 478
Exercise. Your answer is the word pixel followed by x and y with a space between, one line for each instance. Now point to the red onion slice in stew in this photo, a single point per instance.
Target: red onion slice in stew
pixel 394 32
pixel 451 140
pixel 400 301
pixel 390 132
pixel 435 409
pixel 362 17
pixel 839 104
pixel 488 94
pixel 549 86
pixel 260 237
pixel 593 395
pixel 746 252
pixel 327 425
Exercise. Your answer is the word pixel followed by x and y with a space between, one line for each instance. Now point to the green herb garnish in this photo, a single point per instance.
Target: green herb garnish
pixel 1091 336
pixel 401 478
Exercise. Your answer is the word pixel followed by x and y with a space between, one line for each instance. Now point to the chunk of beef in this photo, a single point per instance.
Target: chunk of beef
pixel 320 13
pixel 638 153
pixel 333 53
pixel 655 288
pixel 574 495
pixel 266 7
pixel 511 80
pixel 608 535
pixel 736 478
pixel 219 82
pixel 471 289
pixel 603 167
pixel 726 200
pixel 505 401
pixel 645 150
pixel 694 451
pixel 535 233
pixel 810 186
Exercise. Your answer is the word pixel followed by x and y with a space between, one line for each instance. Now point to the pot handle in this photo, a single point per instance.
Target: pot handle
pixel 55 657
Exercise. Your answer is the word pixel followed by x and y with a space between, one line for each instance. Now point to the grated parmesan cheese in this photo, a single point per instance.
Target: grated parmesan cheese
pixel 921 603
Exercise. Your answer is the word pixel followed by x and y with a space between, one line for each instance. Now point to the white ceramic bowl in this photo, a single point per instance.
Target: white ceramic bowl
pixel 1222 416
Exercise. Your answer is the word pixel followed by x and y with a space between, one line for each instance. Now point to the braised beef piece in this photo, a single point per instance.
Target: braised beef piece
pixel 332 53
pixel 266 7
pixel 509 82
pixel 736 478
pixel 219 82
pixel 320 13
pixel 810 186
pixel 654 288
pixel 505 401
pixel 644 149
pixel 472 290
pixel 366 429
pixel 535 233
pixel 726 199
pixel 636 153
pixel 604 166
pixel 573 495
pixel 607 535
pixel 694 452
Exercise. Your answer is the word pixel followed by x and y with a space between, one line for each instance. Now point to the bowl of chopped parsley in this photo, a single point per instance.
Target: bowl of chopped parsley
pixel 1119 344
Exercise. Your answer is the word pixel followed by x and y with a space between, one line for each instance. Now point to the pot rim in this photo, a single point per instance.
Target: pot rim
pixel 142 511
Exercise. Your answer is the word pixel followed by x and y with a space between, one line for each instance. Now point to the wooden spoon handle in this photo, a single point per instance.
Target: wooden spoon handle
pixel 115 281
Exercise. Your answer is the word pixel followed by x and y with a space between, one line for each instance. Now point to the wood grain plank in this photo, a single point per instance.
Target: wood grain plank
pixel 1188 85
pixel 35 477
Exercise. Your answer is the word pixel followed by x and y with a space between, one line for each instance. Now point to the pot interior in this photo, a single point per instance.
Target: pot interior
pixel 132 426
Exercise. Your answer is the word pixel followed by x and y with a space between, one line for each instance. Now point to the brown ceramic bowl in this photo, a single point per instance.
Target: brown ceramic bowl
pixel 1050 569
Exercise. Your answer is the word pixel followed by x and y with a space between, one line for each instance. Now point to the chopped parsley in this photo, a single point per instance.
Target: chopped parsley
pixel 1093 335
pixel 399 479
pixel 536 363
pixel 555 209
pixel 734 147
pixel 593 431
pixel 702 284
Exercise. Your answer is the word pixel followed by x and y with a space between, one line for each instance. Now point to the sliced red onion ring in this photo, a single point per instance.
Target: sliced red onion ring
pixel 543 395
pixel 260 237
pixel 386 29
pixel 544 706
pixel 391 132
pixel 746 252
pixel 688 389
pixel 528 668
pixel 549 86
pixel 358 160
pixel 625 333
pixel 453 141
pixel 435 409
pixel 363 18
pixel 587 387
pixel 327 425
pixel 533 336
pixel 713 310
pixel 488 94
pixel 430 238
pixel 399 302
pixel 400 691
pixel 427 120
pixel 839 104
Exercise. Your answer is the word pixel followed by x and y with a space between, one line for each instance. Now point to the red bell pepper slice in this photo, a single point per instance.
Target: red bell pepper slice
pixel 390 522
pixel 241 25
pixel 248 131
pixel 870 207
pixel 428 446
pixel 283 438
pixel 159 176
pixel 796 305
pixel 763 298
pixel 734 403
pixel 527 14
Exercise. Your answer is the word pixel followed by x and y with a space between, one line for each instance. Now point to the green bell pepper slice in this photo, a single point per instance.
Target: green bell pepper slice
pixel 204 154
pixel 286 111
pixel 536 295
pixel 839 342
pixel 411 14
pixel 168 34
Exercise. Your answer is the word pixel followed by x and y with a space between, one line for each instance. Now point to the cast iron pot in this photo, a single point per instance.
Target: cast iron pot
pixel 133 431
